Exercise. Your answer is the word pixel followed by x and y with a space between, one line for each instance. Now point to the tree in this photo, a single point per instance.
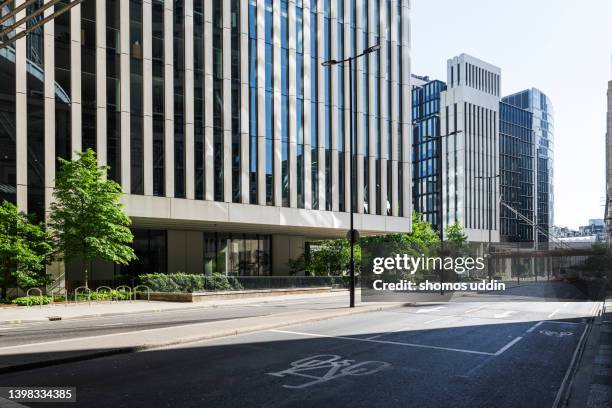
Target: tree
pixel 87 217
pixel 25 249
pixel 456 238
pixel 332 258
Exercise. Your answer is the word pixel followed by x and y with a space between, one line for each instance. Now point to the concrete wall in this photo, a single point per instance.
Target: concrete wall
pixel 185 251
pixel 284 248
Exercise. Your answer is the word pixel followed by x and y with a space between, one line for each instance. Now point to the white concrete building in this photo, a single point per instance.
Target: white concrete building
pixel 470 117
pixel 229 138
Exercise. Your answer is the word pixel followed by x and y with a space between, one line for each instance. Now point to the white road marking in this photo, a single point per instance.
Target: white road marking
pixel 395 343
pixel 431 309
pixel 474 310
pixel 501 315
pixel 438 319
pixel 559 322
pixel 532 328
pixel 507 346
pixel 336 367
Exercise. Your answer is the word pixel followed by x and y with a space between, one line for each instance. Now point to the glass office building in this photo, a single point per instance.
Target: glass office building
pixel 426 147
pixel 517 173
pixel 536 102
pixel 216 117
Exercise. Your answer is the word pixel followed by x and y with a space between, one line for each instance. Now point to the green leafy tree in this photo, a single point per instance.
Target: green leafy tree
pixel 25 250
pixel 87 217
pixel 456 238
pixel 332 258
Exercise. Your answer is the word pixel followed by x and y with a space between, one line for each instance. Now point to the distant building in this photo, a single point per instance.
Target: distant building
pixel 536 102
pixel 517 173
pixel 608 215
pixel 470 153
pixel 426 145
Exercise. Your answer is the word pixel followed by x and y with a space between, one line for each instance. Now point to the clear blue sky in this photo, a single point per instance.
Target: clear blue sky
pixel 562 47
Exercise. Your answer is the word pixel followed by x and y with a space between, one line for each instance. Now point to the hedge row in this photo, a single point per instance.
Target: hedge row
pixel 186 282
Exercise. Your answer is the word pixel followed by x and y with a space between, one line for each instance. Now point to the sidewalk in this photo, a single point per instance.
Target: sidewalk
pixel 63 311
pixel 40 354
pixel 592 387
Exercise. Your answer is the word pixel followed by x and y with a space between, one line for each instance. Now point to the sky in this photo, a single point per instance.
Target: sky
pixel 563 48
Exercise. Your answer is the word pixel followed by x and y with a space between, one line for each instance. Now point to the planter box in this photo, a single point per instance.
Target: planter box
pixel 234 294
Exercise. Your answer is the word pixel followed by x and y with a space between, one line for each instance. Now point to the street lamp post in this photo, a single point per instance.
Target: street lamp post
pixel 490 215
pixel 353 113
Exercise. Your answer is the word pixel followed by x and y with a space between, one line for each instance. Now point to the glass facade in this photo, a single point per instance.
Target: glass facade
pixel 36 116
pixel 541 108
pixel 179 97
pixel 88 76
pixel 159 136
pixel 516 172
pixel 113 90
pixel 237 254
pixel 426 147
pixel 253 102
pixel 198 97
pixel 136 99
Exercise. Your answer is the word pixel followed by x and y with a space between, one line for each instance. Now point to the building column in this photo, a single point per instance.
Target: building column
pixel 208 103
pixel 147 100
pixel 406 115
pixel 189 104
pixel 101 118
pixel 75 80
pixel 359 107
pixel 126 130
pixel 244 104
pixel 21 117
pixel 321 105
pixel 278 157
pixel 335 117
pixel 49 127
pixel 307 109
pixel 227 101
pixel 292 98
pixel 261 102
pixel 395 75
pixel 169 96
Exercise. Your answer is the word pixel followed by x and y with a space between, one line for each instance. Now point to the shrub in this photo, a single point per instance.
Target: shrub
pixel 32 300
pixel 187 282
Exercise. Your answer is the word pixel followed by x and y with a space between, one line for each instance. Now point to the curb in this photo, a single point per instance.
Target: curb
pixel 191 339
pixel 202 305
pixel 564 393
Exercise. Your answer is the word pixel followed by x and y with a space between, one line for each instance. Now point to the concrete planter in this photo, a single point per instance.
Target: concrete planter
pixel 234 294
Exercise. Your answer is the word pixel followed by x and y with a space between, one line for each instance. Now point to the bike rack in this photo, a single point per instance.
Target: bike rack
pixel 125 288
pixel 110 292
pixel 39 295
pixel 76 293
pixel 148 292
pixel 59 291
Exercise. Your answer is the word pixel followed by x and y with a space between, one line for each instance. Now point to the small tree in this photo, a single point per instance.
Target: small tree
pixel 456 237
pixel 332 257
pixel 25 249
pixel 87 217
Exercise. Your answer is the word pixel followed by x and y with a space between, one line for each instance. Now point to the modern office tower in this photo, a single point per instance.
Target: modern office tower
pixel 469 124
pixel 609 163
pixel 229 138
pixel 426 145
pixel 517 173
pixel 536 102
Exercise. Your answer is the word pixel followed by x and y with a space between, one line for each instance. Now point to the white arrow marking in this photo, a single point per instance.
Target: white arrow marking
pixel 432 309
pixel 507 313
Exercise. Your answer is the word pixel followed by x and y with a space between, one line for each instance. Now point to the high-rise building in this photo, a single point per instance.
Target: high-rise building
pixel 469 124
pixel 517 173
pixel 426 145
pixel 228 136
pixel 536 102
pixel 608 214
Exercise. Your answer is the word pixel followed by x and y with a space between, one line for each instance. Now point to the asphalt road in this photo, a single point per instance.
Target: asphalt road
pixel 17 334
pixel 512 354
